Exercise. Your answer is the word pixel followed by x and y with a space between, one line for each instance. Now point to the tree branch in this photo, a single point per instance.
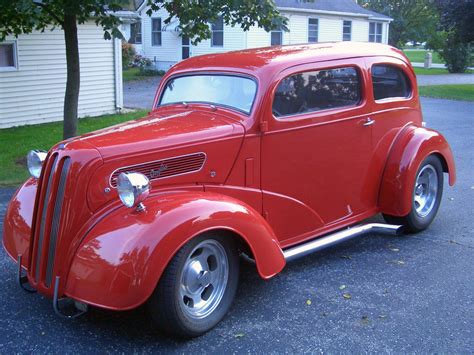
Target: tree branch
pixel 50 13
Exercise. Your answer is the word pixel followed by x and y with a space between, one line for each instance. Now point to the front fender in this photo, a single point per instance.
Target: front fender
pixel 412 146
pixel 120 261
pixel 17 222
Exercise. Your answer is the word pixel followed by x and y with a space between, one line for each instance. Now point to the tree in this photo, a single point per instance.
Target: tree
pixel 413 20
pixel 25 16
pixel 456 35
pixel 457 16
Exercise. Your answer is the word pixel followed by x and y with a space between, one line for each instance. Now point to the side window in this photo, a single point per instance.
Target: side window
pixel 135 33
pixel 313 24
pixel 347 30
pixel 156 32
pixel 389 81
pixel 217 28
pixel 276 37
pixel 317 90
pixel 8 58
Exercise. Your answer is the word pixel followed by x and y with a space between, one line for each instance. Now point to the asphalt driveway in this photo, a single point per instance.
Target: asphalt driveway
pixel 139 94
pixel 403 294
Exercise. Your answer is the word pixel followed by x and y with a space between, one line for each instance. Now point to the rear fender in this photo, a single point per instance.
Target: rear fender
pixel 122 258
pixel 412 146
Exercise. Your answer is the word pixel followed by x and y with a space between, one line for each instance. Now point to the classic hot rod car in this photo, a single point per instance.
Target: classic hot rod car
pixel 273 153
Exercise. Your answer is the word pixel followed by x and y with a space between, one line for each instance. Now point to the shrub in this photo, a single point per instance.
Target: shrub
pixel 457 55
pixel 141 62
pixel 128 54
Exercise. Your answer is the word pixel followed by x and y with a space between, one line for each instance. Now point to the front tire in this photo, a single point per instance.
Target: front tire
pixel 198 286
pixel 426 197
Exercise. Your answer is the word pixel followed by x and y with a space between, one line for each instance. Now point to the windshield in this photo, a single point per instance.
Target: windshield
pixel 224 90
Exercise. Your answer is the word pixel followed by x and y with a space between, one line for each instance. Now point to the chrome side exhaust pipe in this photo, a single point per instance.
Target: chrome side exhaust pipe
pixel 321 243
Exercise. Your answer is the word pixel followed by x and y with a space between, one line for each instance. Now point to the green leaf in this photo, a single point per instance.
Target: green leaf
pixel 347 296
pixel 239 335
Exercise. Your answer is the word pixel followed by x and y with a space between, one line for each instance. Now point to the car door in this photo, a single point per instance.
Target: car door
pixel 317 148
pixel 394 104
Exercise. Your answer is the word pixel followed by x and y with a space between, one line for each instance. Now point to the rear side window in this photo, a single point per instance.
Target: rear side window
pixel 317 90
pixel 389 82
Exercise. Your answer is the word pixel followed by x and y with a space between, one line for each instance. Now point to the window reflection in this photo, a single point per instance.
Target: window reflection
pixel 317 90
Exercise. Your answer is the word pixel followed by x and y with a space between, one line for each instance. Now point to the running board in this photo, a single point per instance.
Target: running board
pixel 339 237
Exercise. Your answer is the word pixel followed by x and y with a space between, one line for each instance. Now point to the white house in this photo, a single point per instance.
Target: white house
pixel 33 76
pixel 317 21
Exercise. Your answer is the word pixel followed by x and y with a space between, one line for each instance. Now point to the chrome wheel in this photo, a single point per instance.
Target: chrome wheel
pixel 204 279
pixel 426 190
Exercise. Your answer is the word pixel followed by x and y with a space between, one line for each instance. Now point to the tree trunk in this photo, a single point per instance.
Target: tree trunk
pixel 71 98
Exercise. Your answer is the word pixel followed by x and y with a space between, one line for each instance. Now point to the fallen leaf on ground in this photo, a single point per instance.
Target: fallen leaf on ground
pixel 239 335
pixel 396 262
pixel 382 316
pixel 395 249
pixel 308 302
pixel 347 296
pixel 342 287
pixel 451 199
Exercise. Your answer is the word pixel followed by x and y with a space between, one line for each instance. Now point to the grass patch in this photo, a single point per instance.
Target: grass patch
pixel 132 74
pixel 418 56
pixel 17 141
pixel 436 71
pixel 453 92
pixel 431 71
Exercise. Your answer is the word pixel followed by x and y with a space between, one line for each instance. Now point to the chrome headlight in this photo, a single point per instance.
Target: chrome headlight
pixel 133 188
pixel 34 161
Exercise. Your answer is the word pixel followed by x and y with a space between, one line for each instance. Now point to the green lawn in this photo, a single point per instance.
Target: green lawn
pixel 132 74
pixel 418 56
pixel 16 142
pixel 453 92
pixel 436 71
pixel 431 71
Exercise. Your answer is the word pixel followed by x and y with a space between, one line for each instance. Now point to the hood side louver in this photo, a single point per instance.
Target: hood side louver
pixel 164 168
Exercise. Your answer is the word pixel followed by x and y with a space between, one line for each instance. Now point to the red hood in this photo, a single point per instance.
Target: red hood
pixel 169 132
pixel 162 130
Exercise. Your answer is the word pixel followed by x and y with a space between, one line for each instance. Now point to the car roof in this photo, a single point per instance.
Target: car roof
pixel 262 61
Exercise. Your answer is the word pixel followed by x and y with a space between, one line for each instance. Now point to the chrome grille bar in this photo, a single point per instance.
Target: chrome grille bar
pixel 44 213
pixel 56 221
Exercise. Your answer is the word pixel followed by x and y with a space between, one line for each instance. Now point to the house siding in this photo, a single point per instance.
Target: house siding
pixel 330 29
pixel 35 92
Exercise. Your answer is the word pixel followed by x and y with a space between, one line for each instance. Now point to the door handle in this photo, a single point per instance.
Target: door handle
pixel 369 122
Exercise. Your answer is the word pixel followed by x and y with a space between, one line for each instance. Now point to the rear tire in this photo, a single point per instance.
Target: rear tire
pixel 426 197
pixel 198 286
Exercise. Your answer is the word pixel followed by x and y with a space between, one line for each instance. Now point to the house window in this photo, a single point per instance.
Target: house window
pixel 347 30
pixel 136 33
pixel 313 25
pixel 8 56
pixel 217 27
pixel 375 32
pixel 276 37
pixel 156 32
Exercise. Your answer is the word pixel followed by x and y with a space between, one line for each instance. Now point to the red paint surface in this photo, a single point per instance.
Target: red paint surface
pixel 272 183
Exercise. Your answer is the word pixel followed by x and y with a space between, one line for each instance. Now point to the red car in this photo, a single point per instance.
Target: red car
pixel 273 153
